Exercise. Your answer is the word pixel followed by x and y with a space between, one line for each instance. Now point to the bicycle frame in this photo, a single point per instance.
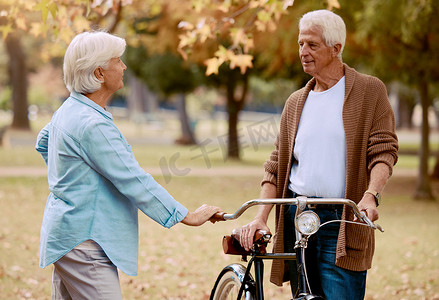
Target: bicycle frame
pixel 257 258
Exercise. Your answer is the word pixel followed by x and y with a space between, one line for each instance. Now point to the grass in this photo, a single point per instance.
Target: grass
pixel 183 262
pixel 165 156
pixel 22 202
pixel 406 263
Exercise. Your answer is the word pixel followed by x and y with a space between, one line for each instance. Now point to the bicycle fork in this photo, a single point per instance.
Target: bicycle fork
pixel 305 292
pixel 301 245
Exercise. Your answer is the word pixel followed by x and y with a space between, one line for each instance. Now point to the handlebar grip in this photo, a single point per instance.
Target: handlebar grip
pixel 217 217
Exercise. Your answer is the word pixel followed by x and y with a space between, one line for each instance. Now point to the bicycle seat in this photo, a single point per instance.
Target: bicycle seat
pixel 231 244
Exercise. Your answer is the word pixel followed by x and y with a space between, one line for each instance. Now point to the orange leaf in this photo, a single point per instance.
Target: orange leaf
pixel 212 65
pixel 332 4
pixel 243 61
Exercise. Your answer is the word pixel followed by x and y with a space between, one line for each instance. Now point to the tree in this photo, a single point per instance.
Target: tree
pixel 166 74
pixel 435 173
pixel 408 98
pixel 406 49
pixel 30 18
pixel 154 44
pixel 226 33
pixel 18 80
pixel 17 69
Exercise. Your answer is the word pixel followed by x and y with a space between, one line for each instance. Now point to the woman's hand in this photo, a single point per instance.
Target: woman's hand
pixel 200 215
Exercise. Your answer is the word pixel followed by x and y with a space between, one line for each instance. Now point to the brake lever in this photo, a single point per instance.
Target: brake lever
pixel 366 220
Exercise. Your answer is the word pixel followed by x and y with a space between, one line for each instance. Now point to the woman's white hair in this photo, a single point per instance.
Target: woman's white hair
pixel 86 52
pixel 332 26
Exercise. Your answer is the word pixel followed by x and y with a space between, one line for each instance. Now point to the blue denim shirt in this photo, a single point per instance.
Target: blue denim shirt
pixel 96 187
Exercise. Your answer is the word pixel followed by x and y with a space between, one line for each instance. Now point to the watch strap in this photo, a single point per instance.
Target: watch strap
pixel 375 194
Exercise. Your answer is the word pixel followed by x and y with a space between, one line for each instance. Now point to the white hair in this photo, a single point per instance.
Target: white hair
pixel 332 26
pixel 86 52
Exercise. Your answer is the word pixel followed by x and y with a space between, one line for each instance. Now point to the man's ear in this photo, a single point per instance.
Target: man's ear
pixel 99 73
pixel 336 49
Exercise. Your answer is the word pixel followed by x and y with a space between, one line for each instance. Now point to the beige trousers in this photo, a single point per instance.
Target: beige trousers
pixel 85 274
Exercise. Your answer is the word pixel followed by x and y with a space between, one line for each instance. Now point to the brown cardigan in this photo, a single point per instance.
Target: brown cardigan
pixel 369 126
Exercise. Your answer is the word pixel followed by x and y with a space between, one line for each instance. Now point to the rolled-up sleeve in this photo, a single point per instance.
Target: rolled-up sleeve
pixel 106 151
pixel 42 145
pixel 271 167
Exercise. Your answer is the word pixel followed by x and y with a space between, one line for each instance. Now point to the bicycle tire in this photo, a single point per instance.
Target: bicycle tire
pixel 228 283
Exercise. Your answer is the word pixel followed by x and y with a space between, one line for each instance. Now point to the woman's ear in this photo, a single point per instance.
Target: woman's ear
pixel 99 73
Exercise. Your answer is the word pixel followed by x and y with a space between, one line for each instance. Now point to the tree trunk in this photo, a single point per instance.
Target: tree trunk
pixel 187 133
pixel 18 81
pixel 406 106
pixel 423 189
pixel 140 100
pixel 435 173
pixel 234 107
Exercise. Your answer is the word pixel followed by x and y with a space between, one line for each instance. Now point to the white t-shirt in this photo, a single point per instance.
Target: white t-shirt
pixel 320 146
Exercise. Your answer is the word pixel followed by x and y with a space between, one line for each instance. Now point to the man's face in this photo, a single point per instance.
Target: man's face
pixel 314 54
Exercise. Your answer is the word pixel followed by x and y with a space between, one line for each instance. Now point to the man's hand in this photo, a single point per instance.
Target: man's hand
pixel 260 221
pixel 379 175
pixel 200 215
pixel 368 206
pixel 248 232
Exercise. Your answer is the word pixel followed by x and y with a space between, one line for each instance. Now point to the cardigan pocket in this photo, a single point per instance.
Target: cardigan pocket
pixel 358 236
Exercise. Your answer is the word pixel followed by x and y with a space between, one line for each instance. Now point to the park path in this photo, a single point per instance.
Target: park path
pixel 217 171
pixel 25 139
pixel 197 172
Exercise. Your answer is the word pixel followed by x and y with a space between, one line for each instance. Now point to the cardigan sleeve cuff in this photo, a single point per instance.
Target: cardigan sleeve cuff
pixel 387 159
pixel 270 178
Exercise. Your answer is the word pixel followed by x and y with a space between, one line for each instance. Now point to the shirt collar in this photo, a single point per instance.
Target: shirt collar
pixel 87 101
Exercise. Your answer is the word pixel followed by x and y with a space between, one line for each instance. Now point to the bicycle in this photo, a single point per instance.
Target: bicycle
pixel 235 280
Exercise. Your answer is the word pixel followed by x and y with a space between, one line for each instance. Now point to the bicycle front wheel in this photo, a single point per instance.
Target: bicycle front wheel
pixel 229 282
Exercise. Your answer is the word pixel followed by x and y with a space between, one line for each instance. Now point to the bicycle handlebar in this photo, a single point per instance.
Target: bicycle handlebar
pixel 294 201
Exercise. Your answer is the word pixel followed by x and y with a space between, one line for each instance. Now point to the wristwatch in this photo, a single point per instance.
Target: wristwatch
pixel 376 195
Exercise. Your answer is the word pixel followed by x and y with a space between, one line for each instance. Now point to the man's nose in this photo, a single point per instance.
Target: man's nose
pixel 304 50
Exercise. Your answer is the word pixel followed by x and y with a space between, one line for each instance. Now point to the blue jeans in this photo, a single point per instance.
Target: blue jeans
pixel 326 279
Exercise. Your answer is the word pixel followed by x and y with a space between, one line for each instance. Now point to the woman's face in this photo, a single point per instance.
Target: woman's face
pixel 113 75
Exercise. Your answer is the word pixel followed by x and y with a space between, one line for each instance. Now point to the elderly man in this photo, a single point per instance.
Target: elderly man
pixel 337 139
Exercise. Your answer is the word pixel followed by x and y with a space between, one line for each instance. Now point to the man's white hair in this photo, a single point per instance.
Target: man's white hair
pixel 86 52
pixel 332 26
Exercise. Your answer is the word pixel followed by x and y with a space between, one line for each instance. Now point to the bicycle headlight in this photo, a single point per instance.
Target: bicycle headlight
pixel 307 222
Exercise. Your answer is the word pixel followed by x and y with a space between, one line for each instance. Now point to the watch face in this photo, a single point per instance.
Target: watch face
pixel 377 198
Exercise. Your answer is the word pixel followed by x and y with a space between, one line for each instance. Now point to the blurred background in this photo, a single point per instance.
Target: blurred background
pixel 195 61
pixel 205 86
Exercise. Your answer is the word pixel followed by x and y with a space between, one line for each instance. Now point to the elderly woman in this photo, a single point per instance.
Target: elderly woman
pixel 90 223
